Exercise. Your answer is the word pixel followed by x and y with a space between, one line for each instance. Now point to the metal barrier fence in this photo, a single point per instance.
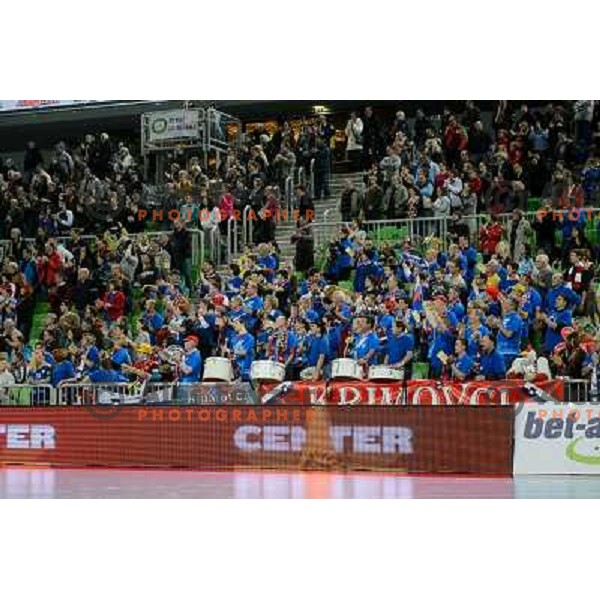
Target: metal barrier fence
pixel 106 394
pixel 420 228
pixel 197 245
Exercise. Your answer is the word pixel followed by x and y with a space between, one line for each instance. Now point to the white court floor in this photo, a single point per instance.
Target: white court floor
pixel 17 482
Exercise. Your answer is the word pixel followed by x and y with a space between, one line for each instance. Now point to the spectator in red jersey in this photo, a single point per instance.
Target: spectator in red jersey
pixel 49 266
pixel 490 236
pixel 113 302
pixel 455 140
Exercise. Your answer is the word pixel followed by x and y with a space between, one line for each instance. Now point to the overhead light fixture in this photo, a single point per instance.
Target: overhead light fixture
pixel 320 109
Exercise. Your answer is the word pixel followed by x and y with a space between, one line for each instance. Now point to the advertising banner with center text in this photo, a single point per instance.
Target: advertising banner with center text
pixel 415 392
pixel 413 439
pixel 557 438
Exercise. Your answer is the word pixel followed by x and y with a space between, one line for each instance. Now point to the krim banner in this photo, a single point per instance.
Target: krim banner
pixel 415 393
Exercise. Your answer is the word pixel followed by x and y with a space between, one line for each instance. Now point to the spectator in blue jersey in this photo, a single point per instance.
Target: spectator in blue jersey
pixel 455 305
pixel 509 328
pixel 299 361
pixel 63 370
pixel 39 372
pixel 491 363
pixel 400 349
pixel 559 287
pixel 152 320
pixel 243 348
pixel 121 355
pixel 91 356
pixel 474 330
pixel 442 327
pixel 367 343
pixel 253 304
pixel 191 366
pixel 555 320
pixel 461 364
pixel 317 350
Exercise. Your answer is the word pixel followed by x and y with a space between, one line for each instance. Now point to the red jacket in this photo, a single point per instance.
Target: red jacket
pixel 490 236
pixel 226 206
pixel 48 271
pixel 114 303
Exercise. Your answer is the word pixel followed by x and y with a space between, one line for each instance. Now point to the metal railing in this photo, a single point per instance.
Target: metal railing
pixel 301 176
pixel 312 176
pixel 28 394
pixel 232 238
pixel 247 227
pixel 289 193
pixel 107 394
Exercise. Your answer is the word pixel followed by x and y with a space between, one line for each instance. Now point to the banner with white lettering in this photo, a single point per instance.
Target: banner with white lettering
pixel 416 393
pixel 557 439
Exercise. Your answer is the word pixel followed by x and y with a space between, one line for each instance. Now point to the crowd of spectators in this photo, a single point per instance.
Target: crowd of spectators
pixel 467 306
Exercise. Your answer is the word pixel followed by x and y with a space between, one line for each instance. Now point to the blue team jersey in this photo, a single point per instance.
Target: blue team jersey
pixel 93 355
pixel 243 350
pixel 365 343
pixel 472 340
pixel 107 376
pixel 399 346
pixel 62 371
pixel 465 365
pixel 121 357
pixel 193 360
pixel 254 305
pixel 316 345
pixel 553 337
pixel 492 365
pixel 510 345
pixel 458 310
pixel 442 341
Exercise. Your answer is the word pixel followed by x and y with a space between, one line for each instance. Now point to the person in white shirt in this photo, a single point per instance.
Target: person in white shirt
pixel 354 130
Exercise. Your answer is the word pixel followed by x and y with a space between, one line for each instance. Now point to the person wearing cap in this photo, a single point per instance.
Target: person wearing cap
pixel 400 348
pixel 491 363
pixel 191 366
pixel 243 348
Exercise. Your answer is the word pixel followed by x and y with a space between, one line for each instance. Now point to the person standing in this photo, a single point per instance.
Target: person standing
pixel 354 145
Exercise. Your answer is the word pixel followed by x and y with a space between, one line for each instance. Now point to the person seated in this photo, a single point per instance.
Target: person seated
pixel 491 362
pixel 461 364
pixel 400 349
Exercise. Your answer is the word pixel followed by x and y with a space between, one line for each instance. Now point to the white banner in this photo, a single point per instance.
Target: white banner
pixel 554 438
pixel 172 124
